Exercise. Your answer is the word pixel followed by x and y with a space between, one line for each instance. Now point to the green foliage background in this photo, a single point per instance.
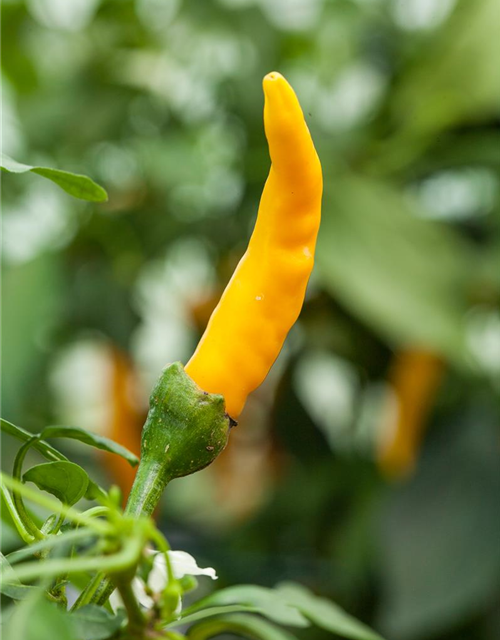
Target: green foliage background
pixel 160 102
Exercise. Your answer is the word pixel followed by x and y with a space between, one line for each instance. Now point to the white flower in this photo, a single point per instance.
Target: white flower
pixel 182 564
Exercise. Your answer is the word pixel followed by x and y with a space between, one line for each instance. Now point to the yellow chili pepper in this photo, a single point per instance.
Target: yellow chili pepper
pixel 415 378
pixel 264 297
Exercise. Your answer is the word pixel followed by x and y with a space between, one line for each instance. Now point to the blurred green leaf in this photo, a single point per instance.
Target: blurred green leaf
pixel 267 602
pixel 211 612
pixel 67 481
pixel 325 614
pixel 37 619
pixel 457 76
pixel 92 439
pixel 402 275
pixel 95 492
pixel 76 185
pixel 241 625
pixel 95 623
pixel 440 532
pixel 477 148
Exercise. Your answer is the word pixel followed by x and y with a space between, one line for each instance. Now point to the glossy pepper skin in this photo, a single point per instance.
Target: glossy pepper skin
pixel 264 297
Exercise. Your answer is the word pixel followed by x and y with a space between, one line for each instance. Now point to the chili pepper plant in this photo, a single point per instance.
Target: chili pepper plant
pixel 107 572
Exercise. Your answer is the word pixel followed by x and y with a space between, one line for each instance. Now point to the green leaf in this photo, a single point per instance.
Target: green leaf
pixel 325 614
pixel 21 434
pixel 92 439
pixel 210 612
pixel 10 585
pixel 37 619
pixel 400 274
pixel 76 185
pixel 431 95
pixel 241 625
pixel 95 623
pixel 267 602
pixel 95 492
pixel 65 480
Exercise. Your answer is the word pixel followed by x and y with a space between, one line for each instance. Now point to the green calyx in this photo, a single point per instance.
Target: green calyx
pixel 185 431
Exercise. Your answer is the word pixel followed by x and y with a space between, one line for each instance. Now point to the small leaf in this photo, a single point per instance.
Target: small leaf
pixel 66 481
pixel 95 492
pixel 325 614
pixel 268 602
pixel 241 625
pixel 21 434
pixel 92 439
pixel 76 185
pixel 37 619
pixel 94 623
pixel 16 591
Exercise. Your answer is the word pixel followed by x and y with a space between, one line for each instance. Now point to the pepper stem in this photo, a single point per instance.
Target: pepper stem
pixel 185 431
pixel 150 482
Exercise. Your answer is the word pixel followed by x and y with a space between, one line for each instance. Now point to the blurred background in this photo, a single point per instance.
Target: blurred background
pixel 367 466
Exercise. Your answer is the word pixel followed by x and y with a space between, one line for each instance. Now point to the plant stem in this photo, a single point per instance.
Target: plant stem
pixel 150 481
pixel 87 594
pixel 36 548
pixel 18 522
pixel 136 618
pixel 115 563
pixel 185 431
pixel 16 496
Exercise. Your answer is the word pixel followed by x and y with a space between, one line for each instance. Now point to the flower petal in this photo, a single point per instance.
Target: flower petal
pixel 184 564
pixel 139 589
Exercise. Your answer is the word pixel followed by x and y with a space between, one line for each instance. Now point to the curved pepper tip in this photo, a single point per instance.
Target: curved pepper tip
pixel 273 75
pixel 272 79
pixel 280 99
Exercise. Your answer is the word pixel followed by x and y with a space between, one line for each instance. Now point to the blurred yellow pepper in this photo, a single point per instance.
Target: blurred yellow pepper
pixel 415 378
pixel 264 297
